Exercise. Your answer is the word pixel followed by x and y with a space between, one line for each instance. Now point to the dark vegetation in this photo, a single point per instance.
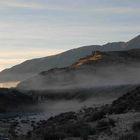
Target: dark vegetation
pixel 134 135
pixel 13 100
pixel 83 124
pixel 127 102
pixel 130 136
pixel 73 124
pixel 136 127
pixel 89 121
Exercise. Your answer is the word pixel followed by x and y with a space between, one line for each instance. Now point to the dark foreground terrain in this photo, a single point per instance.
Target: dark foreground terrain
pixel 119 120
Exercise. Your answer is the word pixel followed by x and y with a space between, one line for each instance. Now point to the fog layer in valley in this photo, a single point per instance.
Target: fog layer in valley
pixel 84 77
pixel 9 84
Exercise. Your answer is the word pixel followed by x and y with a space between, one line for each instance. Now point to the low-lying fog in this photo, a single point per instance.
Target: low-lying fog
pixel 84 77
pixel 57 103
pixel 51 108
pixel 11 84
pixel 88 77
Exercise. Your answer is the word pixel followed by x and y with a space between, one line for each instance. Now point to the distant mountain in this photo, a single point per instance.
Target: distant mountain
pixel 96 70
pixel 134 43
pixel 30 68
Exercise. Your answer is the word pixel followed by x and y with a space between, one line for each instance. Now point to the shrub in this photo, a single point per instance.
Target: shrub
pixel 55 136
pixel 105 125
pixel 136 127
pixel 79 129
pixel 98 115
pixel 131 136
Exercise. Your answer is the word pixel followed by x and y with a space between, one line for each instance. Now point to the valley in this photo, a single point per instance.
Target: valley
pixel 93 97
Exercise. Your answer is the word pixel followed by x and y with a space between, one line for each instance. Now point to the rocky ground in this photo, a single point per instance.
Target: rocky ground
pixel 117 121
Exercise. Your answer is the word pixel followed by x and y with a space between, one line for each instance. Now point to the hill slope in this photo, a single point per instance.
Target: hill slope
pixel 30 68
pixel 96 70
pixel 127 102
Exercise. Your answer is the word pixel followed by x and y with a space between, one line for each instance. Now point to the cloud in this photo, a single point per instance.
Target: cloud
pixel 73 6
pixel 21 4
pixel 43 31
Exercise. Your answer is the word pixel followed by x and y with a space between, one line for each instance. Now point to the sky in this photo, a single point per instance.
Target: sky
pixel 37 28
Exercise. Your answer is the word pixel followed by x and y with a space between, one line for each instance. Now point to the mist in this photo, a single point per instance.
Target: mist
pixel 84 77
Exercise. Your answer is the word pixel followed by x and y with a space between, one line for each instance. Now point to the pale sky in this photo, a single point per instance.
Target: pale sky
pixel 38 28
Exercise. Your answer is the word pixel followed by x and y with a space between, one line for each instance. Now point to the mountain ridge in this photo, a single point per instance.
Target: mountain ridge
pixel 116 67
pixel 32 67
